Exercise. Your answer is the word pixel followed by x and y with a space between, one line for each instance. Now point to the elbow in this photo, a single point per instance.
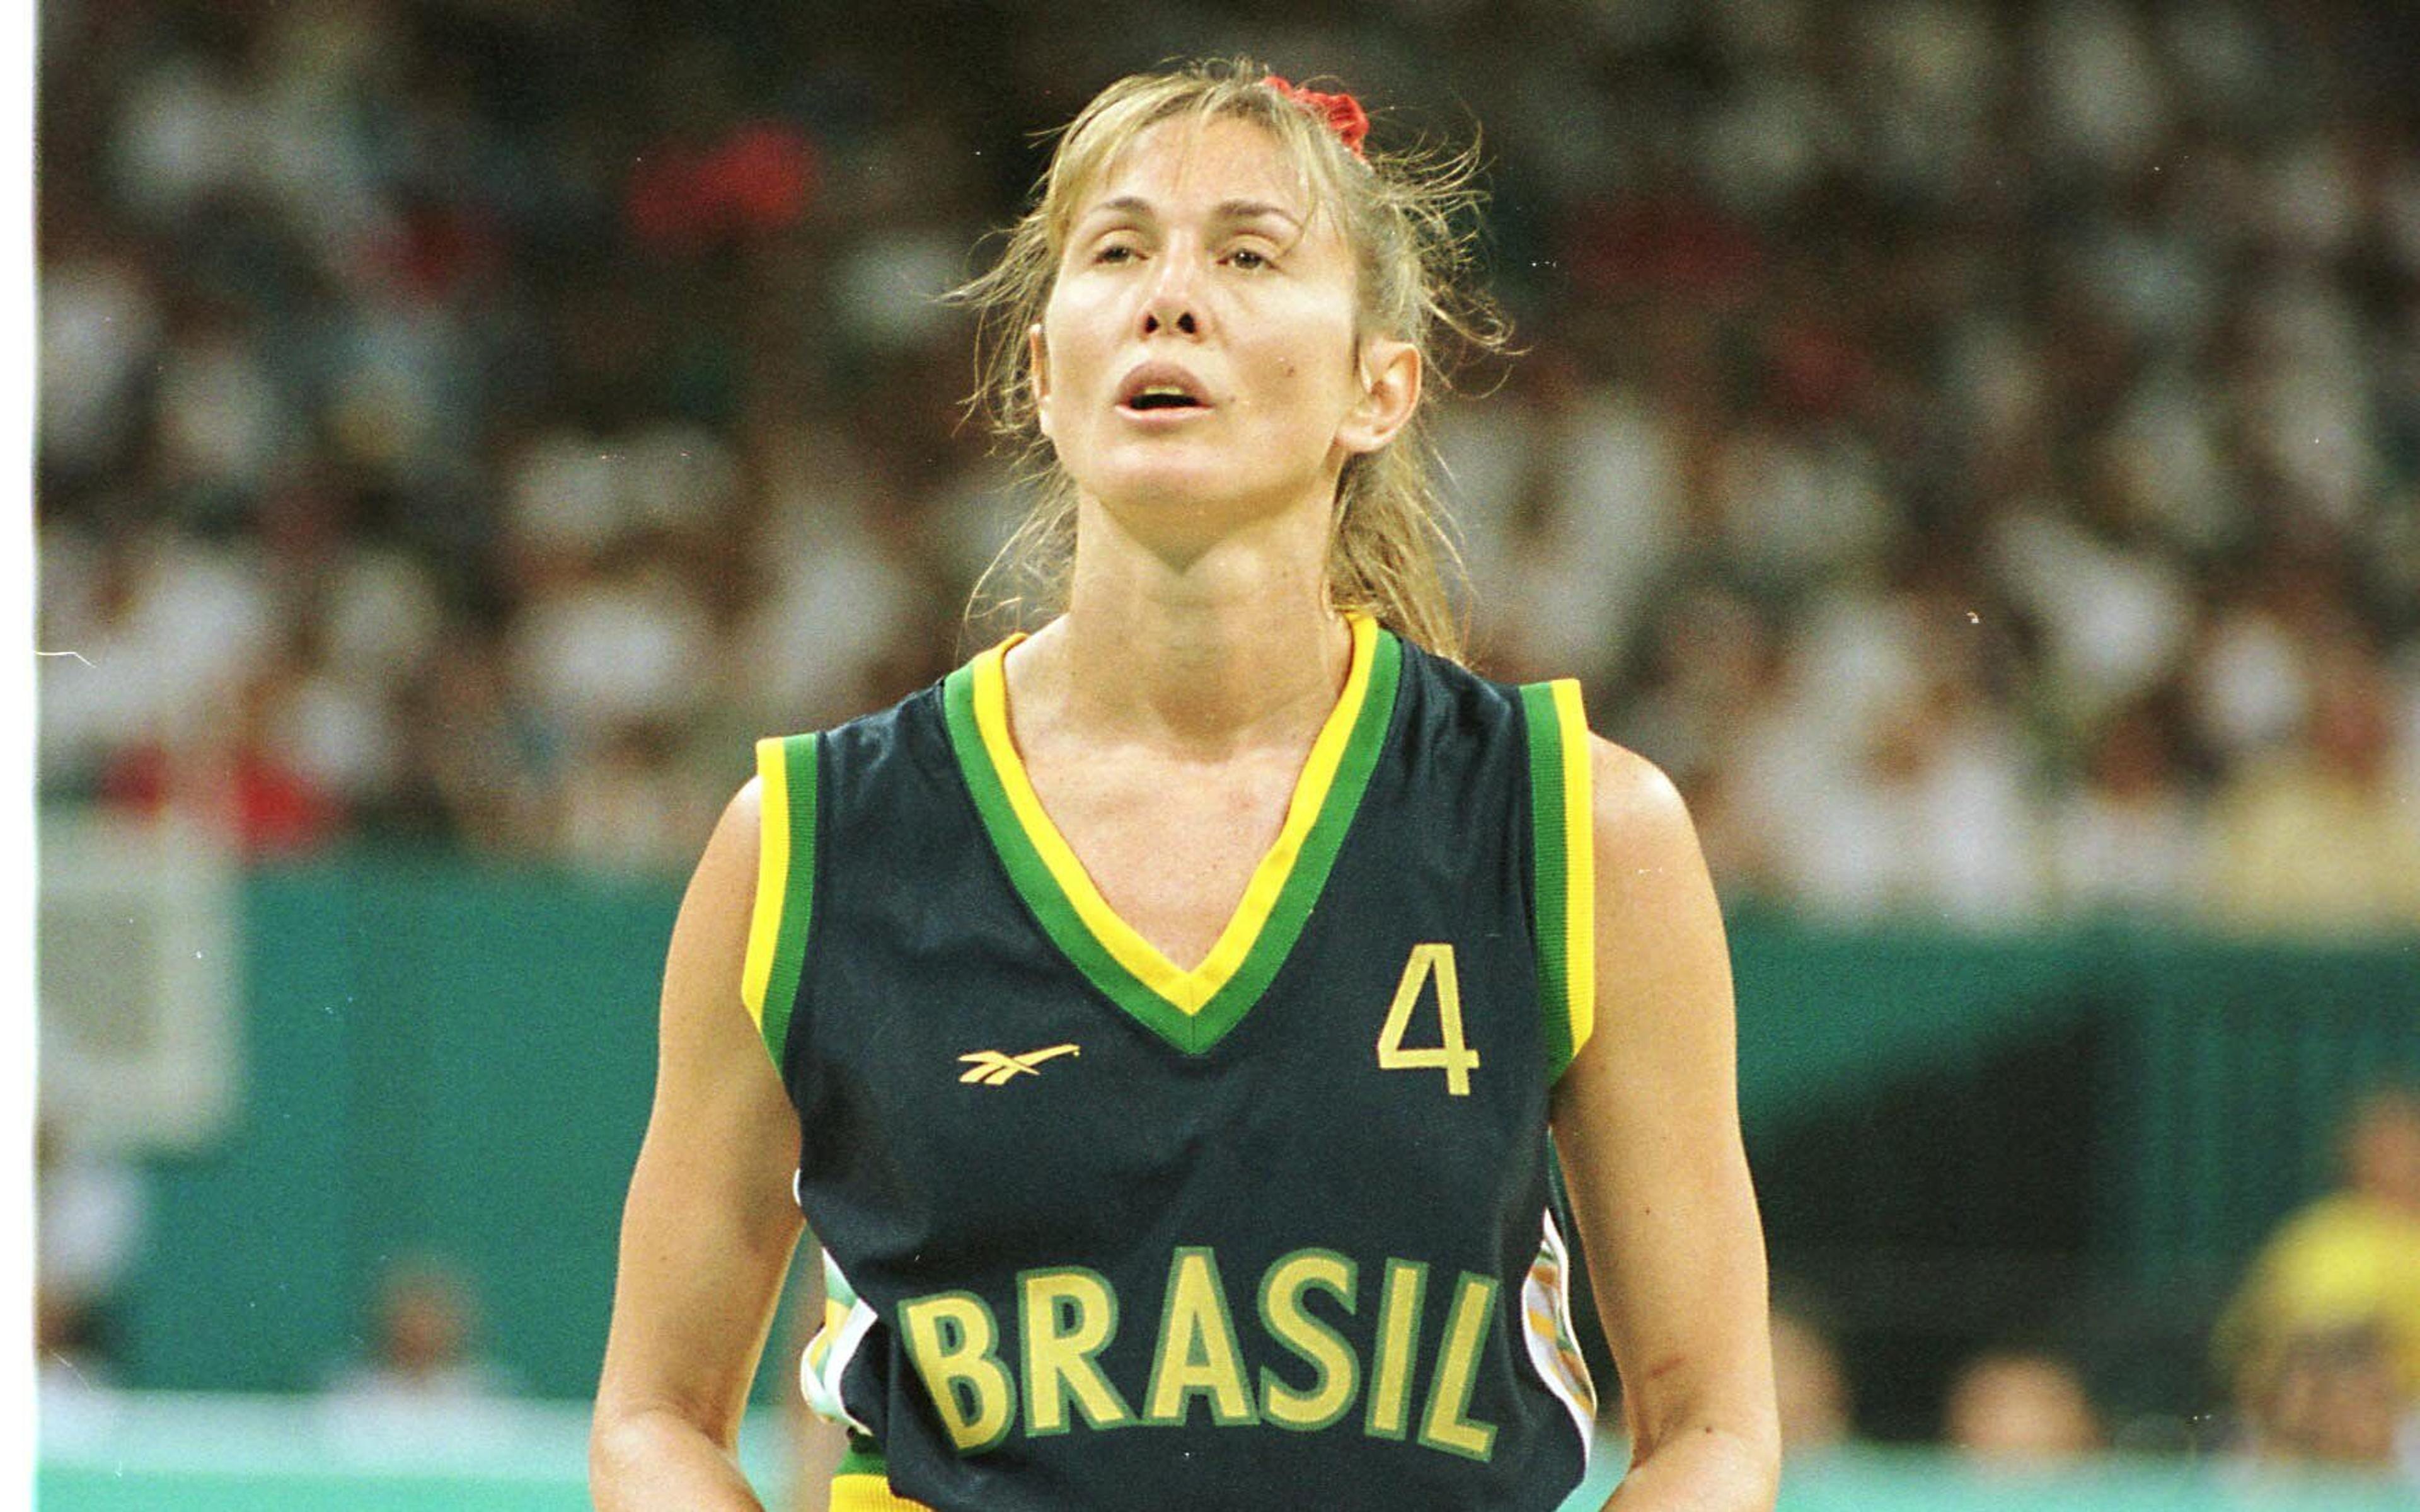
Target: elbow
pixel 633 1448
pixel 617 1452
pixel 1760 1475
pixel 1736 1468
pixel 1753 1461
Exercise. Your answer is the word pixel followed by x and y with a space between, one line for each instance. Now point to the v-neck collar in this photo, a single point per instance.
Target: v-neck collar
pixel 1191 1009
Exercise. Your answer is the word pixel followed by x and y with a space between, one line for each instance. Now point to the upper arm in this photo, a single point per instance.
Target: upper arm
pixel 1647 1119
pixel 709 1227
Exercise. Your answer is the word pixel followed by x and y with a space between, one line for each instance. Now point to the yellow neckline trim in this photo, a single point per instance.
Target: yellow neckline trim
pixel 1188 991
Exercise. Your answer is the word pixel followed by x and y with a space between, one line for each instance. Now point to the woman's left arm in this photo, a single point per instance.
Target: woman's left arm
pixel 1647 1120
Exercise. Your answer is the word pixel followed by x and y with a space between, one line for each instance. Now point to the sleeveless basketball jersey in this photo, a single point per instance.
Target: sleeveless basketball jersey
pixel 1105 1232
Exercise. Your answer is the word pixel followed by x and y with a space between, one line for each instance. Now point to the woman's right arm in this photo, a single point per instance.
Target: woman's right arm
pixel 709 1228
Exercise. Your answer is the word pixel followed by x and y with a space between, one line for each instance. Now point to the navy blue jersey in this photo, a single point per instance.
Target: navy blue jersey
pixel 1105 1232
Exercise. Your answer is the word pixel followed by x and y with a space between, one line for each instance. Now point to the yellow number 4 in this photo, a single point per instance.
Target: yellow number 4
pixel 1455 1057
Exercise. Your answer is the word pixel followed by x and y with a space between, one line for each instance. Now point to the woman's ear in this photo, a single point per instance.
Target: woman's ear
pixel 1390 393
pixel 1037 372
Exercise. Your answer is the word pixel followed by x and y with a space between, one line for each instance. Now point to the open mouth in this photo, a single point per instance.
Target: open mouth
pixel 1161 389
pixel 1162 396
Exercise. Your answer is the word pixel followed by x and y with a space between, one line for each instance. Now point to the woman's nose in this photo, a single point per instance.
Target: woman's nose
pixel 1164 315
pixel 1172 304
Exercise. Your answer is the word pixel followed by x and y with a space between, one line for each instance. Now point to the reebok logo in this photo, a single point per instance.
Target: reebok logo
pixel 997 1067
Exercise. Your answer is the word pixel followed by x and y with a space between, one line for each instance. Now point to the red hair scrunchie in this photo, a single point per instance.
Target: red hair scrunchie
pixel 1342 113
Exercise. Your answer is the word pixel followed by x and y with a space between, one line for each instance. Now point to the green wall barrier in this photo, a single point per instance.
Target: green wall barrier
pixel 438 1059
pixel 2247 1053
pixel 1824 1013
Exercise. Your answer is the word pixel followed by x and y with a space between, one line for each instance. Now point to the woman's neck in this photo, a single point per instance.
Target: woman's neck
pixel 1205 653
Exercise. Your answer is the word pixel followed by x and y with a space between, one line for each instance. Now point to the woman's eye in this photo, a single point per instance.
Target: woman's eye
pixel 1246 257
pixel 1115 251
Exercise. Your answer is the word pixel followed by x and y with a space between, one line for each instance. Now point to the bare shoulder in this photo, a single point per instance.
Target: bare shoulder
pixel 729 863
pixel 714 1064
pixel 1642 825
pixel 1662 958
pixel 710 936
pixel 743 813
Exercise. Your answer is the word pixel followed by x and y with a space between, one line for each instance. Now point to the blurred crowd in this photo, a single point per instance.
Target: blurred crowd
pixel 2315 1361
pixel 1976 448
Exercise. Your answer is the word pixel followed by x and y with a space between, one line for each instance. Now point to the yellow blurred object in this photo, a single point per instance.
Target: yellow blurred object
pixel 2346 1259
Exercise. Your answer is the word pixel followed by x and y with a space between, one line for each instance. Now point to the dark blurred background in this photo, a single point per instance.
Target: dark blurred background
pixel 1974 447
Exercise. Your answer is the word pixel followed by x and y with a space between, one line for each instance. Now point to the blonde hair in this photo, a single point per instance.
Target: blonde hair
pixel 1407 217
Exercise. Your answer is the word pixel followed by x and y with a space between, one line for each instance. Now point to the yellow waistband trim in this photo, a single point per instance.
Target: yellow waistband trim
pixel 869 1493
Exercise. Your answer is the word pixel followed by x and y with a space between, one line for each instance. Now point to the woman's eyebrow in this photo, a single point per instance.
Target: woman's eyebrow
pixel 1134 207
pixel 1253 209
pixel 1130 207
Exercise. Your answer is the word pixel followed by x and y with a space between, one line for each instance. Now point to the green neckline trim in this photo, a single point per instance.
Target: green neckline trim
pixel 1192 1033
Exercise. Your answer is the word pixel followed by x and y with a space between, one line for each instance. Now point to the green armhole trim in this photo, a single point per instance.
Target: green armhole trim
pixel 1562 822
pixel 864 1458
pixel 786 877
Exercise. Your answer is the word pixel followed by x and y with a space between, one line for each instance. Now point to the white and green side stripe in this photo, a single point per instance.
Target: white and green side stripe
pixel 1546 1333
pixel 846 1322
pixel 1562 816
pixel 785 876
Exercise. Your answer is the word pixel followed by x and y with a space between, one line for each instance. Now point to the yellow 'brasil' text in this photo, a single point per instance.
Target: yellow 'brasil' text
pixel 1047 1373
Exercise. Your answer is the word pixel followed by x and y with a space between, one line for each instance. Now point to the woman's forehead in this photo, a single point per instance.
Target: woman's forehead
pixel 1189 162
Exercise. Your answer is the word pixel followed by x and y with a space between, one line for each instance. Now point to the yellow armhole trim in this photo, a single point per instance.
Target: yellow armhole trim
pixel 773 876
pixel 1580 851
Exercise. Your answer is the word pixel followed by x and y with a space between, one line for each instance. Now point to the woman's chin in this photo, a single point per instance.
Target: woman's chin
pixel 1164 487
pixel 1186 481
pixel 1186 511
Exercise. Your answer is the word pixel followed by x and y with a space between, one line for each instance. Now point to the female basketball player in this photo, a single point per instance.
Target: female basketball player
pixel 1176 1004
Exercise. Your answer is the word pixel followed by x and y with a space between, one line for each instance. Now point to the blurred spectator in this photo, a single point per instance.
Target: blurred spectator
pixel 2323 835
pixel 2322 1397
pixel 1587 566
pixel 99 327
pixel 71 1352
pixel 424 1380
pixel 2127 839
pixel 622 809
pixel 1817 1403
pixel 2350 1260
pixel 246 779
pixel 615 643
pixel 2115 621
pixel 88 1219
pixel 164 630
pixel 1917 807
pixel 2020 1409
